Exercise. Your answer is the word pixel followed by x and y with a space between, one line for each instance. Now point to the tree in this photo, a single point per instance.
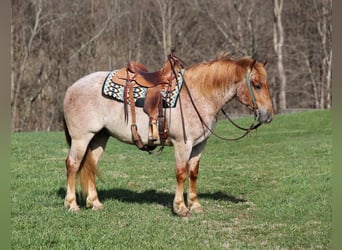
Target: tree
pixel 27 31
pixel 56 43
pixel 278 39
pixel 324 28
pixel 309 52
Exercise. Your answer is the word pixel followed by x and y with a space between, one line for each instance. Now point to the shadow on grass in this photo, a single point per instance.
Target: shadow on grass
pixel 151 196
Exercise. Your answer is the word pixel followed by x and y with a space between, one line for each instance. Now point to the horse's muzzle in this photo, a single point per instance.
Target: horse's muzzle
pixel 264 116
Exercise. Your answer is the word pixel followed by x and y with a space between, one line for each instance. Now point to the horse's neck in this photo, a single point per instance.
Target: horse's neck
pixel 211 102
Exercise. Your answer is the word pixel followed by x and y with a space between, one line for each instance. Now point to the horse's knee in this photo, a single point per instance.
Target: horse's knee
pixel 181 174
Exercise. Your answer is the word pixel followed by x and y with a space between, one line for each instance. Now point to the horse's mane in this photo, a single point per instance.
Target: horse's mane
pixel 216 74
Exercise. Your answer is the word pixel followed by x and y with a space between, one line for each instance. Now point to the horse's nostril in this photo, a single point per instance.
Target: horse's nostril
pixel 264 116
pixel 269 117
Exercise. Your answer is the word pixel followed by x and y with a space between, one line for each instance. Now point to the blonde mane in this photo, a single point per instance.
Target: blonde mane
pixel 217 74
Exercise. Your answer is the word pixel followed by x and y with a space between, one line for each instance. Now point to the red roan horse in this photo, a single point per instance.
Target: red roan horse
pixel 90 119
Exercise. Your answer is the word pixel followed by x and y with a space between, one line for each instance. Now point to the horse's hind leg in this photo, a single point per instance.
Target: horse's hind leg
pixel 89 170
pixel 73 162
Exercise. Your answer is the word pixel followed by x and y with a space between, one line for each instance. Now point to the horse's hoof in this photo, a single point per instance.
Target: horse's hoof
pixel 71 206
pixel 196 208
pixel 94 204
pixel 182 212
pixel 74 209
pixel 98 207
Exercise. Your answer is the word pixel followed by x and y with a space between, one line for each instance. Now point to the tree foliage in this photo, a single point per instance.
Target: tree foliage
pixel 54 43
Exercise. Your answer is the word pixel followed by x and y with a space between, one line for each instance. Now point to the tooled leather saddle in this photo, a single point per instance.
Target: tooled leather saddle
pixel 151 90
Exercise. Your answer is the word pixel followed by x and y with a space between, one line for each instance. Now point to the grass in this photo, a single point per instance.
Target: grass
pixel 268 191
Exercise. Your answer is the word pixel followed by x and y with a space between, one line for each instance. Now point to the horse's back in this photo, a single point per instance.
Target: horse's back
pixel 88 82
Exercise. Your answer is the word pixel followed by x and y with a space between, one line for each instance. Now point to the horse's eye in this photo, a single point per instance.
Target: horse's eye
pixel 257 85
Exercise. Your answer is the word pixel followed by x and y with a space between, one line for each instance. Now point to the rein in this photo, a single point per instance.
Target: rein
pixel 248 130
pixel 173 60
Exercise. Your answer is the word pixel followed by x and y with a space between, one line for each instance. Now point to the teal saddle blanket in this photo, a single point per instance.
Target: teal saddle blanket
pixel 115 91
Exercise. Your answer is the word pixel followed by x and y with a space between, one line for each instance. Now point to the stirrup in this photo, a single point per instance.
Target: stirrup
pixel 153 131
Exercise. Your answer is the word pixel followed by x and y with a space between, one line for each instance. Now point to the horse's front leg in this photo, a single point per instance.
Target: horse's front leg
pixel 179 206
pixel 193 166
pixel 182 154
pixel 193 202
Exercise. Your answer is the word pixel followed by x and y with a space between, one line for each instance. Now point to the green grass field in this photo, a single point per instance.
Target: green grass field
pixel 271 190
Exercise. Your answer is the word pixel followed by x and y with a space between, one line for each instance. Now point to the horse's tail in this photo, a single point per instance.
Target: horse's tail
pixel 66 132
pixel 86 173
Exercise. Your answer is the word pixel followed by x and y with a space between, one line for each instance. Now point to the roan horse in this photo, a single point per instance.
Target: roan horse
pixel 90 119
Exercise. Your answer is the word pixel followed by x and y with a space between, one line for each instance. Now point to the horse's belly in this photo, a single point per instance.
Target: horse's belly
pixel 121 130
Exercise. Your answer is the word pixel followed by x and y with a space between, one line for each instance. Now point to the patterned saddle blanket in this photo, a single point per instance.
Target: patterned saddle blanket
pixel 115 91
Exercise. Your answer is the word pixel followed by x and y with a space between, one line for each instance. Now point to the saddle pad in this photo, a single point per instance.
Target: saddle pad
pixel 115 91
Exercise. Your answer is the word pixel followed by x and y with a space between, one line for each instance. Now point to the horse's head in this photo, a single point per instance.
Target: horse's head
pixel 254 92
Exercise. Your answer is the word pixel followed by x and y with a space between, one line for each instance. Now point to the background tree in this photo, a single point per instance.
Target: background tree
pixel 278 39
pixel 54 43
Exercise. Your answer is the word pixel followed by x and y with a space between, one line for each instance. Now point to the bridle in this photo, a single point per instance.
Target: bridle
pixel 251 94
pixel 174 60
pixel 255 124
pixel 248 130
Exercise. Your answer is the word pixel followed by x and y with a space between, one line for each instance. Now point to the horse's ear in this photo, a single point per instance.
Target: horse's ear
pixel 265 63
pixel 252 65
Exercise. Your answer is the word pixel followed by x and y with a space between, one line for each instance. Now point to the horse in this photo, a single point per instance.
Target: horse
pixel 90 120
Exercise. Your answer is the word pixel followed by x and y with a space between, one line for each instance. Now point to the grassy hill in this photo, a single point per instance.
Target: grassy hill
pixel 268 191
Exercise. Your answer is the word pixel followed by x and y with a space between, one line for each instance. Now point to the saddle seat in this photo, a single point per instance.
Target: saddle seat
pixel 150 79
pixel 138 73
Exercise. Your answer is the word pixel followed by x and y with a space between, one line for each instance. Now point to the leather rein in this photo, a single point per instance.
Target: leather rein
pixel 248 130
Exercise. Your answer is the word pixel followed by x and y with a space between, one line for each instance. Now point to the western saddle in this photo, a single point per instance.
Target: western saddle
pixel 136 74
